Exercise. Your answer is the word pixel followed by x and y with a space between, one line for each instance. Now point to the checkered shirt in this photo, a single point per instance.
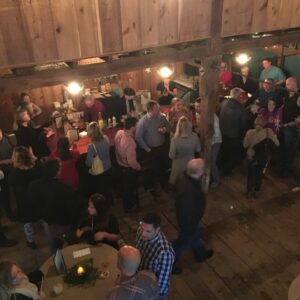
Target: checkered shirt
pixel 157 257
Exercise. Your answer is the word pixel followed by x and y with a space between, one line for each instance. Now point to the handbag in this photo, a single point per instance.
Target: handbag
pixel 97 165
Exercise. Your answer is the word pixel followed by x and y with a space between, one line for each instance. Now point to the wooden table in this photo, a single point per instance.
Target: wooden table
pixel 105 258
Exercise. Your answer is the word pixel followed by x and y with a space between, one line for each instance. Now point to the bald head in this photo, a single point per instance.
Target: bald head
pixel 129 259
pixel 195 168
pixel 291 84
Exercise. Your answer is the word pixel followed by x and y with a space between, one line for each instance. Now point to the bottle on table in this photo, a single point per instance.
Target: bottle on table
pixel 114 121
pixel 100 121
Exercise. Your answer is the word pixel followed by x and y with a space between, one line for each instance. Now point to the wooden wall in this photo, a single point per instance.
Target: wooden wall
pixel 242 17
pixel 50 30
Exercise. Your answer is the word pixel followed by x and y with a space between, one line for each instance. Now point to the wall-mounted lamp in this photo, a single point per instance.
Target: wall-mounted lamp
pixel 165 72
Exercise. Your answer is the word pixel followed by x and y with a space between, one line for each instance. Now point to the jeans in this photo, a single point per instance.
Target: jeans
pixel 254 176
pixel 129 187
pixel 289 146
pixel 215 176
pixel 29 231
pixel 192 239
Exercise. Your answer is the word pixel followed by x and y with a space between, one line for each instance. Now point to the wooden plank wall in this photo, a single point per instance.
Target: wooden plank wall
pixel 33 31
pixel 242 17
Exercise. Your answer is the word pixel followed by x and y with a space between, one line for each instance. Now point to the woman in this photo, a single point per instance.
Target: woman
pixel 68 160
pixel 273 115
pixel 29 136
pixel 257 142
pixel 99 225
pixel 15 285
pixel 177 110
pixel 185 145
pixel 23 172
pixel 225 76
pixel 99 146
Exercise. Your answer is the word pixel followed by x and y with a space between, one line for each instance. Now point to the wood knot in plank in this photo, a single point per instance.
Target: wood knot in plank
pixel 58 29
pixel 126 31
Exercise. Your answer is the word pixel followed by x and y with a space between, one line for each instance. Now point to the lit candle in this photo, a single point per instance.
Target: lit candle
pixel 80 270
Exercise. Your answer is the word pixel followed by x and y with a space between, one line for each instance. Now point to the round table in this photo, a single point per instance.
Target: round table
pixel 104 258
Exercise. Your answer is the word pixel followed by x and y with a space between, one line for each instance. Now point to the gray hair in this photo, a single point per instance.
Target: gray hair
pixel 235 93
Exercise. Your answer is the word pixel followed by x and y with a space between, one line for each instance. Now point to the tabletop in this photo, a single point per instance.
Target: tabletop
pixel 104 258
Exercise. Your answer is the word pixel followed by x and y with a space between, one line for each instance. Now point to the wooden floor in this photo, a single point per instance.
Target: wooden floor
pixel 256 243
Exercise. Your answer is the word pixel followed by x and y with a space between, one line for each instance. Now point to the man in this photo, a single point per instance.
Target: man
pixel 92 108
pixel 133 285
pixel 291 113
pixel 127 101
pixel 272 72
pixel 245 83
pixel 166 91
pixel 150 135
pixel 4 241
pixel 157 253
pixel 125 147
pixel 53 202
pixel 190 205
pixel 233 120
pixel 266 92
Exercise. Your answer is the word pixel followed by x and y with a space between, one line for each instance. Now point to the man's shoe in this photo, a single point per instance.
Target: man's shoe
pixel 31 245
pixel 8 243
pixel 176 270
pixel 208 254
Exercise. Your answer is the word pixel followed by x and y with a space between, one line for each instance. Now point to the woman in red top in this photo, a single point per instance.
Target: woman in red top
pixel 225 76
pixel 68 158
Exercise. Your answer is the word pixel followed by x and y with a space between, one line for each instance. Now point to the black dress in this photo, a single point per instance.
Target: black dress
pixel 111 226
pixel 20 180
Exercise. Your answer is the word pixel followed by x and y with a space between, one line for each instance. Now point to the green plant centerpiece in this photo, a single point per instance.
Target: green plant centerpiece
pixel 83 273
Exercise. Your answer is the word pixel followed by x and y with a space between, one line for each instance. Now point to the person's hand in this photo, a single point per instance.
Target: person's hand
pixel 42 295
pixel 162 130
pixel 99 236
pixel 80 232
pixel 49 131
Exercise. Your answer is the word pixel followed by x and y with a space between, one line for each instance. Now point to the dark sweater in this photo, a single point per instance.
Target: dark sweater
pixel 190 203
pixel 291 107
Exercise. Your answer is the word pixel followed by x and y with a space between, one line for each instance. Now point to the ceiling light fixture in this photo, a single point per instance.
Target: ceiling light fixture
pixel 242 58
pixel 74 88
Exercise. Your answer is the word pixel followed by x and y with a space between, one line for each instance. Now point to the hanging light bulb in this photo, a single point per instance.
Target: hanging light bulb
pixel 242 58
pixel 165 72
pixel 74 88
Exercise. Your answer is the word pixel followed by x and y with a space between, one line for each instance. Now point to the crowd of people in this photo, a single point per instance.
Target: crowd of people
pixel 72 195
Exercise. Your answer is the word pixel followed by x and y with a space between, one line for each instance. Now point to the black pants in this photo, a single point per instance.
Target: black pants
pixel 155 165
pixel 129 187
pixel 231 154
pixel 254 176
pixel 5 191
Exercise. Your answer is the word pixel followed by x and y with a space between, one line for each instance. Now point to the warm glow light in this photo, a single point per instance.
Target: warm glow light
pixel 80 270
pixel 148 70
pixel 165 72
pixel 242 58
pixel 74 88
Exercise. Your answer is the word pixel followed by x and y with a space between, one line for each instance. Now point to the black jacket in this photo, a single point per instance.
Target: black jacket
pixel 233 119
pixel 52 201
pixel 190 203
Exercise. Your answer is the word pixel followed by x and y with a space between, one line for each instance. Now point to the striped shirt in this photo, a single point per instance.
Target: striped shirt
pixel 142 286
pixel 157 257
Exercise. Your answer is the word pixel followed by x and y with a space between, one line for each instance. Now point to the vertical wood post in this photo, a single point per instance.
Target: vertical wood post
pixel 209 86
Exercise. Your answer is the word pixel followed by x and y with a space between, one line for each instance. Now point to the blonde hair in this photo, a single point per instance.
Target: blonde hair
pixel 183 128
pixel 23 158
pixel 94 132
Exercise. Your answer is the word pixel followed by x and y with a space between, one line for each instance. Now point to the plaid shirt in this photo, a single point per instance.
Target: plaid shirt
pixel 142 286
pixel 157 257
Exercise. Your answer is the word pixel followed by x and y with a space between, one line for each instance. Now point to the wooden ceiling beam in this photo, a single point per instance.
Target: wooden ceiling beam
pixel 160 56
pixel 122 65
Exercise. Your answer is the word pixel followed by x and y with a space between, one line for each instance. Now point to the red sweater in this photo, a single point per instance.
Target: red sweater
pixel 91 114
